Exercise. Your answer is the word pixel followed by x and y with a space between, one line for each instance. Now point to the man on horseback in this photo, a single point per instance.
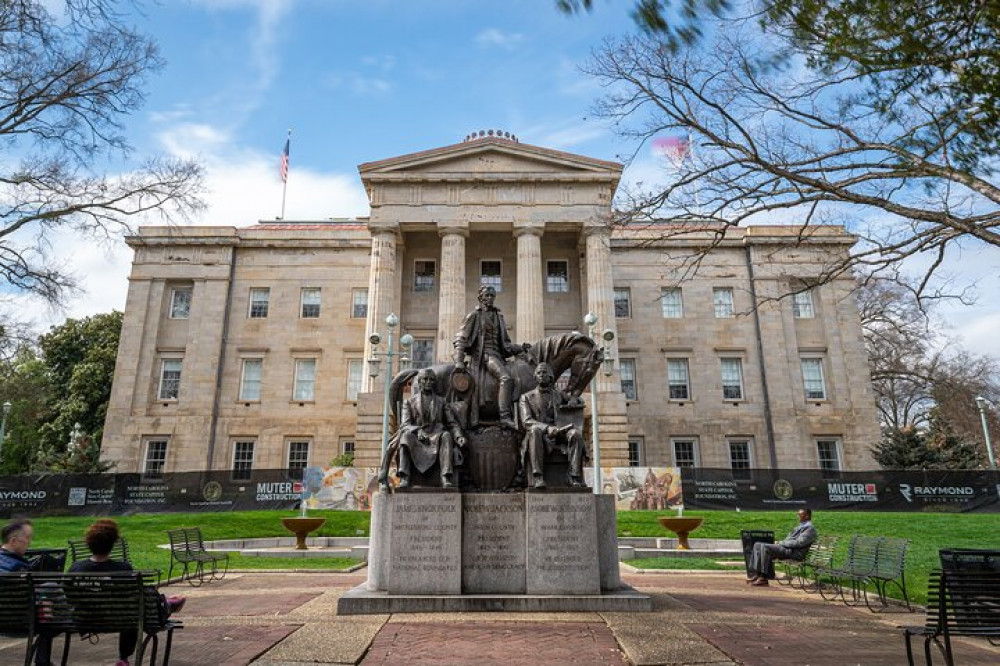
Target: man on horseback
pixel 484 338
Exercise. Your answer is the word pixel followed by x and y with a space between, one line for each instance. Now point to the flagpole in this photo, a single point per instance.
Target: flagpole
pixel 284 173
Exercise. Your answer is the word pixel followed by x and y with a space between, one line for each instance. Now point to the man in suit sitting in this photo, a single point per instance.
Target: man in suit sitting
pixel 429 434
pixel 539 410
pixel 794 546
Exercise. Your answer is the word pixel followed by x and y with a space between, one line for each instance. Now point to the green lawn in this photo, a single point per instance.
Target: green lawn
pixel 928 532
pixel 145 532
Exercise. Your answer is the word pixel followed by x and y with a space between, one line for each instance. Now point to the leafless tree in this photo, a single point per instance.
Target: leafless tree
pixel 70 73
pixel 918 374
pixel 775 139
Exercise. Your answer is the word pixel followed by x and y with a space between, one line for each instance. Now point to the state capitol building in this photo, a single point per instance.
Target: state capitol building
pixel 248 348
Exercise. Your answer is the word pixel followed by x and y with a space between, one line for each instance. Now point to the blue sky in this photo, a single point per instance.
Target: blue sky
pixel 363 80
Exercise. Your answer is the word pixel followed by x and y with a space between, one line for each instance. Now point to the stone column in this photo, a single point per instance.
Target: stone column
pixel 383 280
pixel 530 311
pixel 451 297
pixel 600 294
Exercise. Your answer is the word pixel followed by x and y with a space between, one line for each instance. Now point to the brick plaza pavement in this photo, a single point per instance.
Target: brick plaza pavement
pixel 705 618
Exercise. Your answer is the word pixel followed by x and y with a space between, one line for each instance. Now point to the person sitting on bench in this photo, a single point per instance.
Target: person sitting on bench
pixel 793 547
pixel 101 538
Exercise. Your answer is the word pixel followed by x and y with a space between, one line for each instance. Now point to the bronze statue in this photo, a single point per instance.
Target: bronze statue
pixel 484 338
pixel 539 411
pixel 428 435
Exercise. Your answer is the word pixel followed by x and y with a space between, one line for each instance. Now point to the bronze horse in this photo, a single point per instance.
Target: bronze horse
pixel 569 351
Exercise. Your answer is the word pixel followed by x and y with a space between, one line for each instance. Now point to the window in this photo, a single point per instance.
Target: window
pixel 623 303
pixel 258 303
pixel 828 452
pixel 490 274
pixel 170 378
pixel 732 379
pixel 359 303
pixel 250 380
pixel 802 305
pixel 627 368
pixel 671 303
pixel 305 379
pixel 180 303
pixel 243 460
pixel 156 459
pixel 422 353
pixel 685 453
pixel 635 452
pixel 739 458
pixel 347 446
pixel 722 298
pixel 677 379
pixel 355 377
pixel 557 277
pixel 423 275
pixel 812 378
pixel 310 301
pixel 298 458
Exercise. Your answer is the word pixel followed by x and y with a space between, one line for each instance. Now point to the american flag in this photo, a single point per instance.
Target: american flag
pixel 674 148
pixel 284 160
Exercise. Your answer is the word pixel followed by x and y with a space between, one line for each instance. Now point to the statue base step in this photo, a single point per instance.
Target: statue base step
pixel 363 601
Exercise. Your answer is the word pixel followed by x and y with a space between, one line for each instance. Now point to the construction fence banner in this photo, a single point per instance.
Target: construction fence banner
pixel 634 488
pixel 942 491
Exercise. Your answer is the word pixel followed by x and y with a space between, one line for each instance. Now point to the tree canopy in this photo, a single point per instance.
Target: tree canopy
pixel 71 71
pixel 827 126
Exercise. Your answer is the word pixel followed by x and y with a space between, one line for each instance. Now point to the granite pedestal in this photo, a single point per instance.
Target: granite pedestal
pixel 493 551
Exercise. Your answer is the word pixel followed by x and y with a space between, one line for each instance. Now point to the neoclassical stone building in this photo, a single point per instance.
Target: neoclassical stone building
pixel 246 348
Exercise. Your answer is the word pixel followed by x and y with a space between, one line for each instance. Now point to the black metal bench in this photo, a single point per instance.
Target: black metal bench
pixel 187 550
pixel 78 550
pixel 959 603
pixel 804 571
pixel 43 606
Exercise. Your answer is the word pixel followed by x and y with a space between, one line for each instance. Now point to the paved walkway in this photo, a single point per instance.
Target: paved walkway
pixel 710 619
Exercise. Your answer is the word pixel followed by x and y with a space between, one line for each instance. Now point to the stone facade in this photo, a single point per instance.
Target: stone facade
pixel 271 351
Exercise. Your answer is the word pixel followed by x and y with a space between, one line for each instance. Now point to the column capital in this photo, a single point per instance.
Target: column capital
pixel 382 228
pixel 599 230
pixel 528 229
pixel 451 228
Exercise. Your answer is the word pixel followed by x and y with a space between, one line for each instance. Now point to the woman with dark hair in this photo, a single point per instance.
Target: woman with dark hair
pixel 101 538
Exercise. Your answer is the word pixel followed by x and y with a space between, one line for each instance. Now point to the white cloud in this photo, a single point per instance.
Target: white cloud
pixel 363 86
pixel 262 43
pixel 243 188
pixel 495 37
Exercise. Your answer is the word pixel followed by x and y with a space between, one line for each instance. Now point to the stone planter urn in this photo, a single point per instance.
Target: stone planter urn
pixel 681 526
pixel 301 527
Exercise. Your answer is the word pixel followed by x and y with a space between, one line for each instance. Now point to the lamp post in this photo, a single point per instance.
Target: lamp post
pixel 3 424
pixel 981 403
pixel 590 319
pixel 392 321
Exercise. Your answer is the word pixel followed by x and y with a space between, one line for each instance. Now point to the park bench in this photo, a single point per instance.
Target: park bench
pixel 53 604
pixel 819 556
pixel 959 603
pixel 890 570
pixel 187 550
pixel 834 581
pixel 46 559
pixel 78 550
pixel 872 565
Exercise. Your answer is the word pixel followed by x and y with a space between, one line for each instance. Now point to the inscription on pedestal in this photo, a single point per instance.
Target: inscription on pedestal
pixel 426 544
pixel 493 543
pixel 562 544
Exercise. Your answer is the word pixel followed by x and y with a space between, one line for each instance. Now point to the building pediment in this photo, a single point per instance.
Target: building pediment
pixel 490 159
